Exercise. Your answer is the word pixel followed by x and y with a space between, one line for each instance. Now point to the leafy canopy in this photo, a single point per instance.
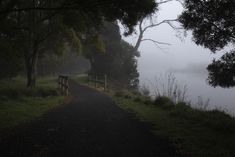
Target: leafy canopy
pixel 89 11
pixel 222 72
pixel 212 22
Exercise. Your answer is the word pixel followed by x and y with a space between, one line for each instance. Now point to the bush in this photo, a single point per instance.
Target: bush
pixel 119 94
pixel 164 102
pixel 127 96
pixel 147 101
pixel 137 99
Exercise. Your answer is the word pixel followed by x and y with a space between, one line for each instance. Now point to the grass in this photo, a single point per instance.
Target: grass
pixel 82 78
pixel 194 133
pixel 19 104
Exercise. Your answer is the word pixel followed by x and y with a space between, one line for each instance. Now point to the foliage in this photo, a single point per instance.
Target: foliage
pixel 164 102
pixel 118 61
pixel 222 71
pixel 35 25
pixel 212 22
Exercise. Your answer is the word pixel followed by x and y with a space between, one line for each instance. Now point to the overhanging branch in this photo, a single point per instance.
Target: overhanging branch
pixel 163 22
pixel 156 42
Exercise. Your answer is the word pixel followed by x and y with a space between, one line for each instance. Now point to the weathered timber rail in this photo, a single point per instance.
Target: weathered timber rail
pixel 63 82
pixel 97 81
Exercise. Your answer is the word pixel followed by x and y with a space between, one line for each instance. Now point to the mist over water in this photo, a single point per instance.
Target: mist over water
pixel 192 75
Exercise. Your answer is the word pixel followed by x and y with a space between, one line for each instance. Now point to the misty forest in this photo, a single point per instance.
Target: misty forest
pixel 83 78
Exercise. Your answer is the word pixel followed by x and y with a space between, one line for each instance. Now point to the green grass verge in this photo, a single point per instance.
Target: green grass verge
pixel 194 133
pixel 19 104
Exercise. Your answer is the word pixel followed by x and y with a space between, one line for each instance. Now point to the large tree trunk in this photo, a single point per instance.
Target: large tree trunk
pixel 137 45
pixel 31 61
pixel 140 37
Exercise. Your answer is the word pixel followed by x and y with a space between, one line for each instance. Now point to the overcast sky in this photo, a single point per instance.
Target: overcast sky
pixel 180 54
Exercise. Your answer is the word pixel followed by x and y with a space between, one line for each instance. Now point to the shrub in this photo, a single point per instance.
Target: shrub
pixel 119 94
pixel 127 96
pixel 137 99
pixel 147 101
pixel 164 102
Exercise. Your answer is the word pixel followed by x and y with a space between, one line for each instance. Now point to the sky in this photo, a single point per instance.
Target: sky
pixel 181 53
pixel 183 57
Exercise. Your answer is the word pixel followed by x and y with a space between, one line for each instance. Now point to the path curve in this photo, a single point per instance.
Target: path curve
pixel 91 125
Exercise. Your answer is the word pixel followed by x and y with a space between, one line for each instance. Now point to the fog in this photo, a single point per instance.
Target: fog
pixel 183 58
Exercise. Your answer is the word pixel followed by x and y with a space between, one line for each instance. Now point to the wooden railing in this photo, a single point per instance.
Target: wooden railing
pixel 63 82
pixel 97 81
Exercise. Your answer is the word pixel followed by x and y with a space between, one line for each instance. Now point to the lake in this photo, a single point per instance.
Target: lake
pixel 152 66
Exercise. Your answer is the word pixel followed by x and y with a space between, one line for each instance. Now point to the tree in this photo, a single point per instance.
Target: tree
pixel 117 58
pixel 222 72
pixel 212 23
pixel 149 22
pixel 35 23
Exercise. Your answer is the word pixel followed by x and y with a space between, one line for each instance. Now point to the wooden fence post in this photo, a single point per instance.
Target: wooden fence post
pixel 105 82
pixel 96 81
pixel 59 82
pixel 67 86
pixel 88 80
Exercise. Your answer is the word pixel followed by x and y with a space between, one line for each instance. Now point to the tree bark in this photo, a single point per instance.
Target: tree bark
pixel 140 37
pixel 137 45
pixel 31 61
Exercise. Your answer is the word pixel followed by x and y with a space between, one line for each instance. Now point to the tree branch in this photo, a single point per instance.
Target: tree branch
pixel 163 22
pixel 162 2
pixel 166 1
pixel 156 42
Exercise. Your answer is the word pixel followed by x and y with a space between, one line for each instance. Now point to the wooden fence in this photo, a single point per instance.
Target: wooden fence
pixel 97 81
pixel 63 82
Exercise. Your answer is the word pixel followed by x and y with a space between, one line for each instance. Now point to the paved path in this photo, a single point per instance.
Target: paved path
pixel 91 125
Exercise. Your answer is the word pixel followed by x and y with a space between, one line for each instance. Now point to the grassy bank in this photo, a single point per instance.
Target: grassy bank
pixel 19 104
pixel 194 133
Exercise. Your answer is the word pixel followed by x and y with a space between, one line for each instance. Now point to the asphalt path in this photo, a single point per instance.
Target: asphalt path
pixel 90 125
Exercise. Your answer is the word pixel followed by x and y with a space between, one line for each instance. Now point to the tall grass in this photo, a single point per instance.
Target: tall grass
pixel 167 86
